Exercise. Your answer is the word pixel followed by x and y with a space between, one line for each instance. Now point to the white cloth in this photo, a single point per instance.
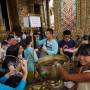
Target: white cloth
pixel 69 84
pixel 84 85
pixel 24 36
pixel 2 54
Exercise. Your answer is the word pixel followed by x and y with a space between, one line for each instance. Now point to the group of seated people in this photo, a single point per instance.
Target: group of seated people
pixel 19 58
pixel 14 63
pixel 6 84
pixel 67 46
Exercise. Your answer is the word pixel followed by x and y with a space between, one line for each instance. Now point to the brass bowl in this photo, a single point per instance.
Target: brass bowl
pixel 52 58
pixel 48 69
pixel 47 85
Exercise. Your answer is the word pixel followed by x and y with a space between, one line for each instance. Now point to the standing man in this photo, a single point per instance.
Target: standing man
pixel 49 44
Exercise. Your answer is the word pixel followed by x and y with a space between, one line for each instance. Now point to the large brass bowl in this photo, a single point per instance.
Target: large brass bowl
pixel 51 85
pixel 47 67
pixel 47 70
pixel 49 59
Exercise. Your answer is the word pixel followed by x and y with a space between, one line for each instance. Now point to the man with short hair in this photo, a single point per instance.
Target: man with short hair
pixel 49 44
pixel 11 41
pixel 67 45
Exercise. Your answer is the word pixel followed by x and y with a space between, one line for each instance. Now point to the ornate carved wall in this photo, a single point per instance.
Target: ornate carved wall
pixel 17 9
pixel 82 17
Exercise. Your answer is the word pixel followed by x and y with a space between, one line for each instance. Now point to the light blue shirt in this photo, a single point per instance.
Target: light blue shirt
pixel 31 56
pixel 52 46
pixel 21 85
pixel 4 78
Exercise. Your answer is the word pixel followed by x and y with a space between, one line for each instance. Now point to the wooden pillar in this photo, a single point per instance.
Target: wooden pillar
pixel 87 17
pixel 83 16
pixel 48 13
pixel 1 21
pixel 8 11
pixel 12 13
pixel 78 16
pixel 57 18
pixel 42 15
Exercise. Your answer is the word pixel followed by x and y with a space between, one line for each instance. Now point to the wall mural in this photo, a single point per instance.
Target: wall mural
pixel 68 14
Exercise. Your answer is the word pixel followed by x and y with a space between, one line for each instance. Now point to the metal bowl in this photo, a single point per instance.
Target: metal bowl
pixel 47 85
pixel 47 67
